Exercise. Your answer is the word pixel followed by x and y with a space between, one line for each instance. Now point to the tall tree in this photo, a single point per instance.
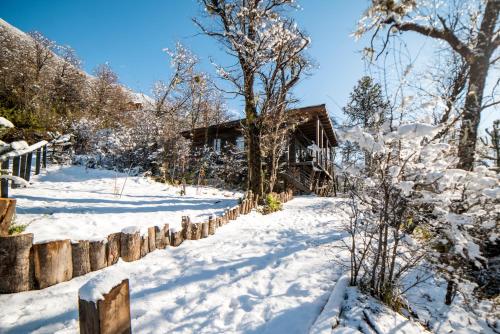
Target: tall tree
pixel 368 109
pixel 251 31
pixel 470 28
pixel 367 106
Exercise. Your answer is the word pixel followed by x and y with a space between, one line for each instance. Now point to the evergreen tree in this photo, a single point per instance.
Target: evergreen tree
pixel 367 107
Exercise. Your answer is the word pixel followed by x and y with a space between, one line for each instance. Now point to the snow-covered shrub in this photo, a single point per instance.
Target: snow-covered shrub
pixel 136 144
pixel 416 206
pixel 225 168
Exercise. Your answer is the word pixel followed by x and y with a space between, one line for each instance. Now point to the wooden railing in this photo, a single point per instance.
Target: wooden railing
pixel 22 163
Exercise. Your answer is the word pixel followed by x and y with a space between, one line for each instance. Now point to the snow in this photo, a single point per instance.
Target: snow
pixel 416 130
pixel 5 123
pixel 330 316
pixel 74 203
pixel 258 274
pixel 370 316
pixel 19 145
pixel 101 284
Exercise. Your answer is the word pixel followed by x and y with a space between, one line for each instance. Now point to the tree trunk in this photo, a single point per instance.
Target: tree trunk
pixel 485 46
pixel 15 269
pixel 254 155
pixel 80 254
pixel 472 114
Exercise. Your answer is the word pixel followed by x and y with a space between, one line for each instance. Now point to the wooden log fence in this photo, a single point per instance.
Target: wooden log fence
pixel 27 266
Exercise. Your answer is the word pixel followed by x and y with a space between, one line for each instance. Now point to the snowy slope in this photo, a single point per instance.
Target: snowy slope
pixel 258 274
pixel 73 203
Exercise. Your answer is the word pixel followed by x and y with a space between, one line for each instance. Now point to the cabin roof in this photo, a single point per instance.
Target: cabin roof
pixel 306 122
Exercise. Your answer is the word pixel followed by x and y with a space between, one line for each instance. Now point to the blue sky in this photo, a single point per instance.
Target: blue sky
pixel 131 35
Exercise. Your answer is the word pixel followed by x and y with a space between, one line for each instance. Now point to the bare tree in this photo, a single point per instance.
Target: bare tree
pixel 471 33
pixel 250 31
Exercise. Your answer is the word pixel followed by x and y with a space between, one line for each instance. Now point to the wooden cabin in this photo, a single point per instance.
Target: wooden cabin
pixel 310 154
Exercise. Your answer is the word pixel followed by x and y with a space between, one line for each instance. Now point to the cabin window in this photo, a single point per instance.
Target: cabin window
pixel 240 143
pixel 217 145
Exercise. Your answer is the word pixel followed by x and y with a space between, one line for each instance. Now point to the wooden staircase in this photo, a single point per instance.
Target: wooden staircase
pixel 308 178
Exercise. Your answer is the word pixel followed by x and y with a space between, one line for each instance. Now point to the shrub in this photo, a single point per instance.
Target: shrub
pixel 17 228
pixel 273 204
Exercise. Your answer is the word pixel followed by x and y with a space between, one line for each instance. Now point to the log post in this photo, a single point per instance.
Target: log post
pixel 114 248
pixel 110 314
pixel 160 237
pixel 38 160
pixel 204 229
pixel 5 182
pixel 130 244
pixel 176 238
pixel 212 225
pixel 144 245
pixel 53 263
pixel 15 269
pixel 186 228
pixel 151 239
pixel 80 255
pixel 195 231
pixel 166 229
pixel 97 255
pixel 7 211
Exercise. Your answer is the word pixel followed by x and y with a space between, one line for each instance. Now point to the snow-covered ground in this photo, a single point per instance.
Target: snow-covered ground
pixel 74 203
pixel 258 274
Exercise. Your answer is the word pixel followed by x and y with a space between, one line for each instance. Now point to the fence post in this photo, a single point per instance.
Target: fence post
pixel 15 169
pixel 22 169
pixel 29 159
pixel 5 182
pixel 44 157
pixel 38 160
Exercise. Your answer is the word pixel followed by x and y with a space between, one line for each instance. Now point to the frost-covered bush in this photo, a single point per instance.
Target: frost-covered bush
pixel 416 206
pixel 136 144
pixel 226 168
